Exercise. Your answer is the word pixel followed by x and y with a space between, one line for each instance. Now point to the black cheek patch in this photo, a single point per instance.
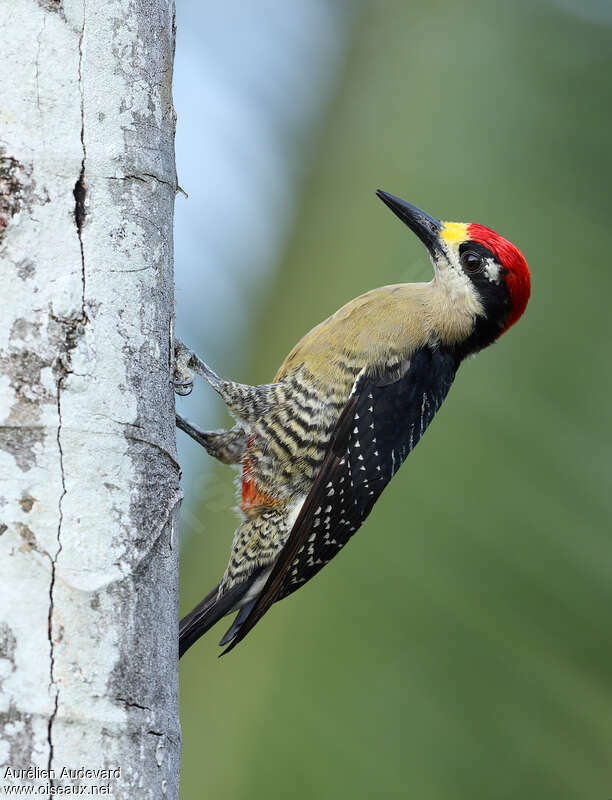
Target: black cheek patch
pixel 476 247
pixel 494 298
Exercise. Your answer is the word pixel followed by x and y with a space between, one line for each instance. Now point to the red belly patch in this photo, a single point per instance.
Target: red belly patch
pixel 252 497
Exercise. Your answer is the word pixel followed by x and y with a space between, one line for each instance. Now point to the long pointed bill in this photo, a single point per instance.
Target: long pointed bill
pixel 426 228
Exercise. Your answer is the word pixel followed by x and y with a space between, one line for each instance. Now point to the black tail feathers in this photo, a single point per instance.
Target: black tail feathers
pixel 203 617
pixel 210 611
pixel 237 623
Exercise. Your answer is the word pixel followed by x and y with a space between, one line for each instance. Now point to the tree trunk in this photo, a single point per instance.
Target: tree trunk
pixel 89 488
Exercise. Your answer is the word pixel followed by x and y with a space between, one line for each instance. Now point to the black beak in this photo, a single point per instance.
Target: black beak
pixel 426 228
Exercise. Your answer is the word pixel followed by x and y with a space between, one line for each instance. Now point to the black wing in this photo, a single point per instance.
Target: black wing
pixel 382 421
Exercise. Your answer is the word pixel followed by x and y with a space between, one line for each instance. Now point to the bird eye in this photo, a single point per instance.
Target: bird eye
pixel 471 261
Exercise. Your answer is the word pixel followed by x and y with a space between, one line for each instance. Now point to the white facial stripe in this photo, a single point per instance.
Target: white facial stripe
pixel 492 270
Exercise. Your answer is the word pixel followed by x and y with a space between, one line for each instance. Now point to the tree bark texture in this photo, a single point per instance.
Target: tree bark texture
pixel 89 490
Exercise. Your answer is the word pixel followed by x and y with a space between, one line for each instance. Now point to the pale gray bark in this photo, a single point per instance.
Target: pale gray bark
pixel 89 488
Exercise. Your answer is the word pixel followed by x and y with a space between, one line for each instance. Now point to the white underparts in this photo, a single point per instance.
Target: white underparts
pixel 255 589
pixel 292 515
pixel 293 511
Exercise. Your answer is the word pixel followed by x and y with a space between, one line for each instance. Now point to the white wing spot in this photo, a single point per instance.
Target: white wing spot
pixel 423 405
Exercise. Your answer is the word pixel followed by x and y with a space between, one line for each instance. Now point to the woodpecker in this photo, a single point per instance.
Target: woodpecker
pixel 318 445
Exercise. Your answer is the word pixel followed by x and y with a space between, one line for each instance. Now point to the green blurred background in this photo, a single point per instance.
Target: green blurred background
pixel 461 647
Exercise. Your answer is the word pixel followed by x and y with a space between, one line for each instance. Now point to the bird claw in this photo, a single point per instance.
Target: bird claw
pixel 182 387
pixel 182 379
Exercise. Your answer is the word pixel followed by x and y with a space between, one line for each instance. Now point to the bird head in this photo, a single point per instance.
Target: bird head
pixel 474 265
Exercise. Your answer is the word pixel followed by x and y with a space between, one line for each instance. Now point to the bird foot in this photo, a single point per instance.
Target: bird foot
pixel 182 378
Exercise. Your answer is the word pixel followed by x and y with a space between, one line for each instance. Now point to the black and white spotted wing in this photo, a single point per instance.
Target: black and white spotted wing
pixel 383 420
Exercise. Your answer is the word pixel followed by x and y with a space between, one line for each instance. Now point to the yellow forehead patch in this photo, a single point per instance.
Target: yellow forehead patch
pixel 454 232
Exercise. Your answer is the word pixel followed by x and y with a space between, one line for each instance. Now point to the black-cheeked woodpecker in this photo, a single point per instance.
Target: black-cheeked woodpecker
pixel 318 445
